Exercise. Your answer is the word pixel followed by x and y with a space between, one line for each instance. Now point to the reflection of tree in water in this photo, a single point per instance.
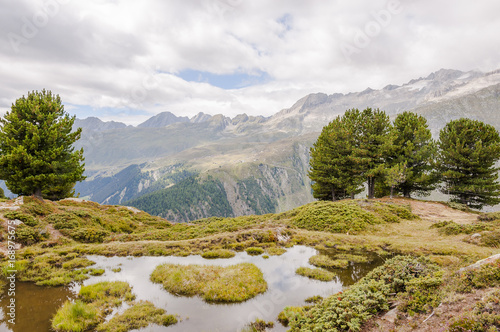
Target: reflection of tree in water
pixel 35 306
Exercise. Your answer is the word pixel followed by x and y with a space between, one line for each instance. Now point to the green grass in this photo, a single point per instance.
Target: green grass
pixel 327 262
pixel 235 283
pixel 218 253
pixel 76 317
pixel 138 316
pixel 275 251
pixel 110 292
pixel 315 273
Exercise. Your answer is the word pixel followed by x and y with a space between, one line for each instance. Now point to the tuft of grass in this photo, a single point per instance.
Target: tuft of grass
pixel 218 253
pixel 289 314
pixel 235 283
pixel 96 272
pixel 327 262
pixel 254 251
pixel 315 273
pixel 116 269
pixel 275 251
pixel 76 316
pixel 138 316
pixel 106 292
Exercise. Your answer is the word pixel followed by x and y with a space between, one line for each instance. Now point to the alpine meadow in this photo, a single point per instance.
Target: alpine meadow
pixel 249 166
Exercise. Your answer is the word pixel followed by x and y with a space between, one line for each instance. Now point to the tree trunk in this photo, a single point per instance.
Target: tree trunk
pixel 392 191
pixel 371 187
pixel 38 193
pixel 333 195
pixel 406 193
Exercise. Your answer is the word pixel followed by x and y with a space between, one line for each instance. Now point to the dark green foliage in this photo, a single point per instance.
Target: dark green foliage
pixel 348 310
pixel 25 218
pixel 414 147
pixel 188 195
pixel 36 144
pixel 351 149
pixel 2 193
pixel 422 294
pixel 255 197
pixel 468 151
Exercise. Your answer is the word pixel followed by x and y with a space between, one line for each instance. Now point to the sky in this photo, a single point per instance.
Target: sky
pixel 128 60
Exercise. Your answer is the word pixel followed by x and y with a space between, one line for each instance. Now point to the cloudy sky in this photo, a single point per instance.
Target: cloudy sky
pixel 127 60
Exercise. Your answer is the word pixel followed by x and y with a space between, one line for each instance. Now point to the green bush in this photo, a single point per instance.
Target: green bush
pixel 348 310
pixel 488 275
pixel 28 235
pixel 65 220
pixel 25 218
pixel 87 235
pixel 422 294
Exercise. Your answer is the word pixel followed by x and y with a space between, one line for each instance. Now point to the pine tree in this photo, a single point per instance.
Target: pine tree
pixel 376 143
pixel 468 151
pixel 36 148
pixel 414 146
pixel 333 168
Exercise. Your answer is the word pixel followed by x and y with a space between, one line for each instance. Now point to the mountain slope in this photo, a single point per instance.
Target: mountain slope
pixel 262 162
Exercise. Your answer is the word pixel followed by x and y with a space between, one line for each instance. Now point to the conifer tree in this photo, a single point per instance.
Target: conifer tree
pixel 37 156
pixel 468 151
pixel 376 143
pixel 414 146
pixel 334 168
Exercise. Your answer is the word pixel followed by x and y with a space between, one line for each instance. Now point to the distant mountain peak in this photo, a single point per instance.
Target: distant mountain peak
pixel 162 120
pixel 93 123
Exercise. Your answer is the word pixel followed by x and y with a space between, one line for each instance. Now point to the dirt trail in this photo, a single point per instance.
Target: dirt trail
pixel 434 211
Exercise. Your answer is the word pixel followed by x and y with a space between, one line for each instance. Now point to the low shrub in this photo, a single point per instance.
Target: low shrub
pixel 488 275
pixel 25 218
pixel 490 216
pixel 315 273
pixel 346 311
pixel 28 235
pixel 87 235
pixel 37 207
pixel 491 239
pixel 422 294
pixel 290 313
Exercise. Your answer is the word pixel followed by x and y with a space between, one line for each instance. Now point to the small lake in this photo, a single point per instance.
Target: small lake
pixel 36 305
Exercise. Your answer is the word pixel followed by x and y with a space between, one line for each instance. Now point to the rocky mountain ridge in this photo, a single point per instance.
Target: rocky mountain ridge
pixel 261 162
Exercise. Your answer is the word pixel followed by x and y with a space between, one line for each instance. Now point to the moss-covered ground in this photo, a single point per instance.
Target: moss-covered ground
pixel 55 238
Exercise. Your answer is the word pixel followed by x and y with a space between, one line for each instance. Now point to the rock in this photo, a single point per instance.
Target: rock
pixel 480 263
pixel 391 315
pixel 133 209
pixel 475 238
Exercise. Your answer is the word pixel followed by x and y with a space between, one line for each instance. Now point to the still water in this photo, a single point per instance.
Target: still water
pixel 36 305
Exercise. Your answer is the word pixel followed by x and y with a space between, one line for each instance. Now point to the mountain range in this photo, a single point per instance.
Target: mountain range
pixel 189 168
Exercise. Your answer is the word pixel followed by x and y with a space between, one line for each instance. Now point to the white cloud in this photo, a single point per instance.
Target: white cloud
pixel 115 54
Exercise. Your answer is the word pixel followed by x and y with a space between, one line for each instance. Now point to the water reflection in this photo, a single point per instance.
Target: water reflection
pixel 37 304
